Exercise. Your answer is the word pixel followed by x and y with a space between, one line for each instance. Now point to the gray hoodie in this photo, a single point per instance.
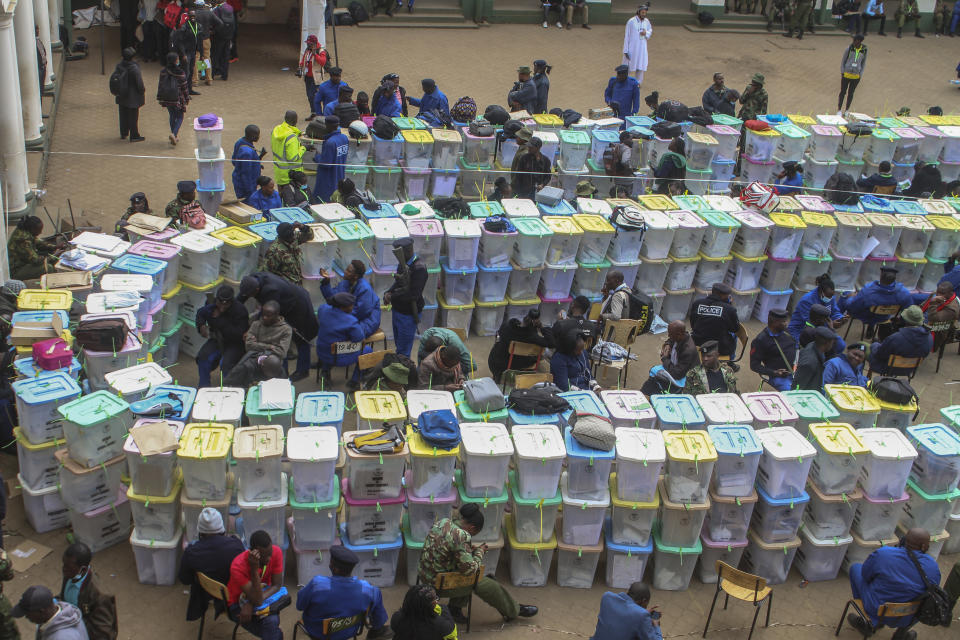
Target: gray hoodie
pixel 67 624
pixel 854 60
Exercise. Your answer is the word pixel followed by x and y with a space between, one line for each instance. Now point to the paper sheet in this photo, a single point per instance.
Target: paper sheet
pixel 276 394
pixel 154 438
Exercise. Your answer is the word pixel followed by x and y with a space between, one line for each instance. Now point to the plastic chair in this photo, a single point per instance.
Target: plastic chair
pixel 944 333
pixel 217 591
pixel 341 349
pixel 743 586
pixel 453 584
pixel 336 625
pixel 375 337
pixel 886 610
pixel 522 349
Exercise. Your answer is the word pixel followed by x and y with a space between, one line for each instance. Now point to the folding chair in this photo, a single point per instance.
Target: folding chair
pixel 336 625
pixel 338 349
pixel 944 333
pixel 453 584
pixel 886 610
pixel 217 591
pixel 743 586
pixel 624 333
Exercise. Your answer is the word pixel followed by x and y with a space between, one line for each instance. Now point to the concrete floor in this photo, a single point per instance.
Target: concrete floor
pixel 97 171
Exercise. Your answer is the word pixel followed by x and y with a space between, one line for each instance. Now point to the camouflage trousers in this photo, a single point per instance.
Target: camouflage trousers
pixel 8 627
pixel 491 592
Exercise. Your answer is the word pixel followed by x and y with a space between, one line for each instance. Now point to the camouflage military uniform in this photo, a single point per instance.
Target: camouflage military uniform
pixel 175 206
pixel 697 380
pixel 907 11
pixel 29 257
pixel 286 259
pixel 942 12
pixel 754 104
pixel 449 548
pixel 8 627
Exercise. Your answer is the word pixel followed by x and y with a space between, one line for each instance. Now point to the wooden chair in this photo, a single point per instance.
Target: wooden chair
pixel 338 349
pixel 888 190
pixel 623 332
pixel 217 591
pixel 522 349
pixel 375 337
pixel 336 625
pixel 453 584
pixel 900 366
pixel 742 338
pixel 881 310
pixel 743 586
pixel 370 360
pixel 886 610
pixel 944 333
pixel 527 380
pixel 461 333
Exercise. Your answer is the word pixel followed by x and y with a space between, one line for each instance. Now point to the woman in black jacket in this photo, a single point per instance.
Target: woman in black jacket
pixel 131 96
pixel 422 617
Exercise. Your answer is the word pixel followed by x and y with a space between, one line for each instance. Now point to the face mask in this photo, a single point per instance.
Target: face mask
pixel 825 300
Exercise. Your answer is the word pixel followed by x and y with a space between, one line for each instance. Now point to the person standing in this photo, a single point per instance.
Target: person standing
pixel 185 41
pixel 327 92
pixel 246 163
pixel 638 32
pixel 714 318
pixel 209 22
pixel 852 64
pixel 331 160
pixel 531 170
pixel 406 295
pixel 311 69
pixel 874 11
pixel 798 21
pixel 754 98
pixel 287 149
pixel 222 38
pixel 130 95
pixel 623 93
pixel 285 257
pixel 173 92
pixel 523 96
pixel 541 72
pixel 433 100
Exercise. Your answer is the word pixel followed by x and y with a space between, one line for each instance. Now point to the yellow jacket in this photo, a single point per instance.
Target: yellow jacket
pixel 287 152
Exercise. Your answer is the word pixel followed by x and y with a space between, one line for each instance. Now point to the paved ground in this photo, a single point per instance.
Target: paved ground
pixel 97 171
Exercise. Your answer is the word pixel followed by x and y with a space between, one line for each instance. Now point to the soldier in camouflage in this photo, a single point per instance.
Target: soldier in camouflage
pixel 8 627
pixel 284 257
pixel 711 375
pixel 449 548
pixel 753 99
pixel 29 256
pixel 186 196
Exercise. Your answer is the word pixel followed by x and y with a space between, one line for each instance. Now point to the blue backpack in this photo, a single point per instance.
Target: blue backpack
pixel 439 428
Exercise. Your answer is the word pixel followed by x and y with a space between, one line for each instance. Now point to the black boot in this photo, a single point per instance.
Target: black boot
pixel 788 34
pixel 457 614
pixel 899 33
pixel 918 34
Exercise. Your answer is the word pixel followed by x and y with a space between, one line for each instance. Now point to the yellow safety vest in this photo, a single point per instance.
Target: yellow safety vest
pixel 287 152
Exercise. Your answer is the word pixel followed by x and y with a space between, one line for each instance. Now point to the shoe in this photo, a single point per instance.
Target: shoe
pixel 383 633
pixel 839 113
pixel 409 10
pixel 800 36
pixel 123 136
pixel 527 611
pixel 299 375
pixel 810 31
pixel 569 26
pixel 232 60
pixel 904 634
pixel 173 140
pixel 545 25
pixel 585 26
pixel 899 33
pixel 137 139
pixel 194 93
pixel 311 117
pixel 788 34
pixel 560 25
pixel 208 82
pixel 860 625
pixel 457 614
pixel 769 27
pixel 881 33
pixel 917 34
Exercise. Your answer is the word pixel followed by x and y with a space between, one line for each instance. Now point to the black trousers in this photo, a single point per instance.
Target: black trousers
pixel 129 121
pixel 220 55
pixel 867 19
pixel 847 86
pixel 233 42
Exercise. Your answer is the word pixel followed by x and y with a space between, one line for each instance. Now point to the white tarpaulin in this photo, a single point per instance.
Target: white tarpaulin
pixel 312 22
pixel 87 18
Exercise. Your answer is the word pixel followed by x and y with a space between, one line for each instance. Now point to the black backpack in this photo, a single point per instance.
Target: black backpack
pixel 570 117
pixel 840 188
pixel 673 111
pixel 666 130
pixel 358 12
pixel 118 80
pixel 496 115
pixel 481 128
pixel 315 130
pixel 640 309
pixel 705 18
pixel 936 607
pixel 168 89
pixel 699 115
pixel 451 208
pixel 895 391
pixel 385 128
pixel 343 19
pixel 537 402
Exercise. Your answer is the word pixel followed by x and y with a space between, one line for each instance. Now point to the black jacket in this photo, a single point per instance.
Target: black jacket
pixel 227 328
pixel 436 628
pixel 513 330
pixel 565 331
pixel 294 301
pixel 408 299
pixel 714 319
pixel 133 93
pixel 183 42
pixel 209 22
pixel 765 357
pixel 810 364
pixel 228 23
pixel 347 112
pixel 212 557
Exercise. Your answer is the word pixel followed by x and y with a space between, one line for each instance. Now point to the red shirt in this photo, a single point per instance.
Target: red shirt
pixel 240 572
pixel 236 4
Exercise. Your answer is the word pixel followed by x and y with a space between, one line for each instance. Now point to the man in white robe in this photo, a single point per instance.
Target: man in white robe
pixel 639 29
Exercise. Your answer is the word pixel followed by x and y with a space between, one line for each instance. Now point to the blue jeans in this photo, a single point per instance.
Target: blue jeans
pixel 954 19
pixel 266 628
pixel 176 119
pixel 782 384
pixel 404 332
pixel 210 358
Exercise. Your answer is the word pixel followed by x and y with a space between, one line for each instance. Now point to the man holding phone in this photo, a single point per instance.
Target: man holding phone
pixel 628 616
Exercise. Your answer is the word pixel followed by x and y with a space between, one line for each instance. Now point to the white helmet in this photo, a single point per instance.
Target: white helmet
pixel 358 128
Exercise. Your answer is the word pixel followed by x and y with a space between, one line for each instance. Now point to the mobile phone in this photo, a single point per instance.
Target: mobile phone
pixel 655 615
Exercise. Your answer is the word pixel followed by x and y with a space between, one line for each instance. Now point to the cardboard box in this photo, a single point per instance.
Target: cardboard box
pixel 72 280
pixel 240 213
pixel 24 334
pixel 602 112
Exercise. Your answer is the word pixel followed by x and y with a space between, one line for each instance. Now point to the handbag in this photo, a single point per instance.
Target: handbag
pixel 936 607
pixel 52 354
pixel 593 431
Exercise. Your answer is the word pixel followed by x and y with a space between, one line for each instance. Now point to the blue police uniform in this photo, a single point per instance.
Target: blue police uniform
pixel 909 342
pixel 331 160
pixel 336 326
pixel 264 203
pixel 838 371
pixel 889 575
pixel 246 168
pixel 435 100
pixel 339 597
pixel 802 311
pixel 327 92
pixel 366 309
pixel 951 272
pixel 626 94
pixel 875 294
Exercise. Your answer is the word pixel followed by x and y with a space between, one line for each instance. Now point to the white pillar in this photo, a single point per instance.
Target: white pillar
pixel 312 22
pixel 55 10
pixel 41 13
pixel 27 63
pixel 13 153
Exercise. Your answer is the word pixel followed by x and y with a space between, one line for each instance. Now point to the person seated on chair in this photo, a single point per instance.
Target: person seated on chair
pixel 255 575
pixel 677 356
pixel 714 318
pixel 940 307
pixel 211 555
pixel 616 297
pixel 442 370
pixel 576 323
pixel 527 330
pixel 366 309
pixel 846 368
pixel 569 364
pixel 338 324
pixel 820 317
pixel 628 616
pixel 449 548
pixel 883 178
pixel 774 351
pixel 813 359
pixel 395 373
pixel 890 574
pixel 712 375
pixel 223 322
pixel 825 294
pixel 267 342
pixel 951 271
pixel 341 596
pixel 436 337
pixel 81 588
pixel 883 292
pixel 422 617
pixel 911 341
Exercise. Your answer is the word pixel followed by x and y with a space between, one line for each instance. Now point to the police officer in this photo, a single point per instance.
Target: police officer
pixel 773 353
pixel 406 295
pixel 713 317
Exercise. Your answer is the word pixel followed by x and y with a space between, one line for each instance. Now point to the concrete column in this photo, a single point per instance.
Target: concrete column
pixel 55 10
pixel 13 153
pixel 41 13
pixel 23 28
pixel 312 22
